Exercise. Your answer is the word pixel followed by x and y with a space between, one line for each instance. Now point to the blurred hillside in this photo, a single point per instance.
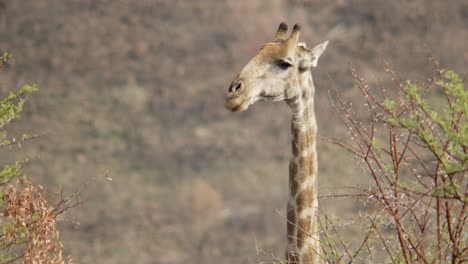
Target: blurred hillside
pixel 136 88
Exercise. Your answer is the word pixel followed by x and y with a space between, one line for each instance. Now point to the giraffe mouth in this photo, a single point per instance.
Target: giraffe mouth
pixel 239 108
pixel 236 109
pixel 237 105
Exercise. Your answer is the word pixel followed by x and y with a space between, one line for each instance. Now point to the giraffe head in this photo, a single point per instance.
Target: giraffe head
pixel 274 72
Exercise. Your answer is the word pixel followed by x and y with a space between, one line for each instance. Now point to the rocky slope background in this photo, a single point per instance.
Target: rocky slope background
pixel 133 90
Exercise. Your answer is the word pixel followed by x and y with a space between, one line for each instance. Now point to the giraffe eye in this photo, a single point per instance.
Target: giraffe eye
pixel 283 64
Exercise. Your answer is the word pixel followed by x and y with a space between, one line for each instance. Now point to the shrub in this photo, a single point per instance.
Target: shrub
pixel 415 148
pixel 28 225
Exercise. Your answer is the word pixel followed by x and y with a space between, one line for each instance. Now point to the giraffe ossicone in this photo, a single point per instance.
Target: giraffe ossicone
pixel 280 71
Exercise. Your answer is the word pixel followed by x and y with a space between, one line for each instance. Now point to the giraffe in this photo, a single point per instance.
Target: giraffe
pixel 280 71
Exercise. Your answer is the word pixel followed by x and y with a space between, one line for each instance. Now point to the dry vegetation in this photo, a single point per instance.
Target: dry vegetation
pixel 136 88
pixel 30 233
pixel 28 222
pixel 414 146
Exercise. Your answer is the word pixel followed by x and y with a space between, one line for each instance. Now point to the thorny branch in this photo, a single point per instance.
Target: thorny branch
pixel 417 161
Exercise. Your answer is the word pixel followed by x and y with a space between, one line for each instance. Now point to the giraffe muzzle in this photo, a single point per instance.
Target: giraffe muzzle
pixel 236 104
pixel 235 98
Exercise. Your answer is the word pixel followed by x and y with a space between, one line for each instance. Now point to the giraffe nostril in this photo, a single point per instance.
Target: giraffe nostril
pixel 235 87
pixel 238 87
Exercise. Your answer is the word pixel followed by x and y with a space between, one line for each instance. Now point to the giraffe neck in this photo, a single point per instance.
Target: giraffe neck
pixel 302 229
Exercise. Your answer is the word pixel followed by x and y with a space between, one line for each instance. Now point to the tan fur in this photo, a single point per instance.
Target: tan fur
pixel 272 52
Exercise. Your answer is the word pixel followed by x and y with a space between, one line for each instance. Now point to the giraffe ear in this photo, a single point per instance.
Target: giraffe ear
pixel 310 57
pixel 317 52
pixel 306 55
